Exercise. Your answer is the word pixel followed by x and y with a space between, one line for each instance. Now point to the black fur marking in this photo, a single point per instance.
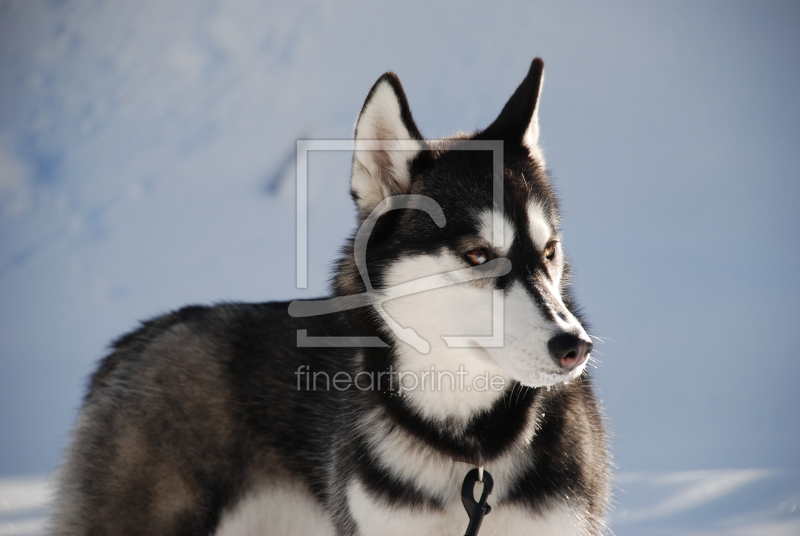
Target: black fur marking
pixel 523 254
pixel 381 483
pixel 485 437
pixel 569 463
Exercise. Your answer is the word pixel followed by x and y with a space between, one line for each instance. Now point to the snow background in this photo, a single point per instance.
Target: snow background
pixel 143 166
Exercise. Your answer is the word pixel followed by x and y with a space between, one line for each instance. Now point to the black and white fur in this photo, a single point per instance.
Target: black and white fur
pixel 195 423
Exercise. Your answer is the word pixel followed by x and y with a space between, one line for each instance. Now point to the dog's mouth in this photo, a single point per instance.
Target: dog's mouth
pixel 553 370
pixel 570 367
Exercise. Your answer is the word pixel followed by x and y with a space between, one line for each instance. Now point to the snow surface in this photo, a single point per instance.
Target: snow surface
pixel 732 502
pixel 146 163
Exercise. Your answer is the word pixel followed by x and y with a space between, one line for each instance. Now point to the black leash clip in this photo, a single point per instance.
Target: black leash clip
pixel 476 510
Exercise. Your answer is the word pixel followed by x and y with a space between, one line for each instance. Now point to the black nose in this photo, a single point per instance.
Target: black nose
pixel 569 350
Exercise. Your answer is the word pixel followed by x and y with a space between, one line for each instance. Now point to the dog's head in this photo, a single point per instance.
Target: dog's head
pixel 473 265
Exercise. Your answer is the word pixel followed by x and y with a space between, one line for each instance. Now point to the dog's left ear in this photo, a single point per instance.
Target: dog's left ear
pixel 387 140
pixel 518 123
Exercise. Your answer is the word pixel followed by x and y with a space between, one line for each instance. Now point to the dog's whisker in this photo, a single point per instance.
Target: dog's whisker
pixel 601 339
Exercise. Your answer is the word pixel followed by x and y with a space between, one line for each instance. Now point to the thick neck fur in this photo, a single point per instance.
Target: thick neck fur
pixel 485 428
pixel 489 431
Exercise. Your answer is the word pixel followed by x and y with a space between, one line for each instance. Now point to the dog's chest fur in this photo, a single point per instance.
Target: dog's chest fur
pixel 423 497
pixel 501 521
pixel 289 509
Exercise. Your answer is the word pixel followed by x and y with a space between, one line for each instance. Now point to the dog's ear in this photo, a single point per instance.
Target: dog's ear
pixel 518 123
pixel 386 142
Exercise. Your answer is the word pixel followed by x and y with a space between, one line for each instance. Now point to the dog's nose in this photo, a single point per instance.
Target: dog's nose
pixel 569 350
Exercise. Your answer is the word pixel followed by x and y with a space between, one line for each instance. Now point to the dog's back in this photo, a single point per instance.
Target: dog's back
pixel 188 413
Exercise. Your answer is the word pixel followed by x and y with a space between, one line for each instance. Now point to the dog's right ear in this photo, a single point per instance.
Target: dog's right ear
pixel 518 122
pixel 386 142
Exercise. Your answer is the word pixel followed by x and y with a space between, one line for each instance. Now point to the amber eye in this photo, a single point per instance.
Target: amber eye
pixel 550 251
pixel 477 256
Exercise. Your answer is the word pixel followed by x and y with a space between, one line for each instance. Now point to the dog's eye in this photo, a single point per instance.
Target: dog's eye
pixel 550 251
pixel 477 256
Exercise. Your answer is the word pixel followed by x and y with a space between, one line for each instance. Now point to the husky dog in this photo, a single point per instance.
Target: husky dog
pixel 231 420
